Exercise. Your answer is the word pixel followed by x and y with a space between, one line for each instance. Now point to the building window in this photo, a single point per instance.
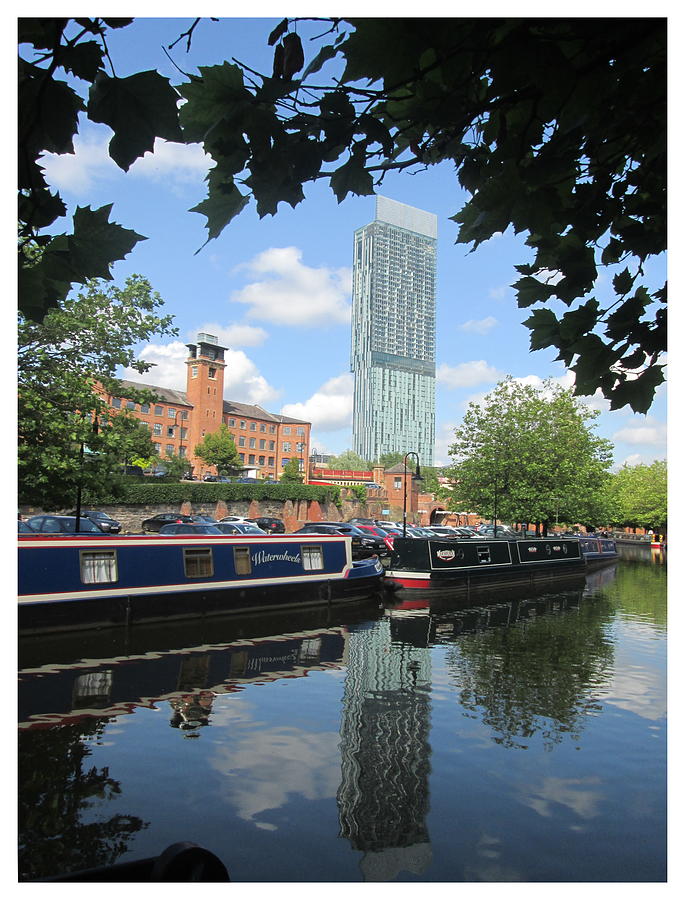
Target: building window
pixel 241 440
pixel 261 460
pixel 272 429
pixel 271 461
pixel 171 412
pixel 312 557
pixel 145 408
pixel 272 445
pixel 253 426
pixel 198 563
pixel 398 483
pixel 242 423
pixel 184 433
pixel 242 561
pixel 182 451
pixel 253 443
pixel 262 427
pixel 286 446
pixel 159 411
pixel 250 459
pixel 231 423
pixel 193 371
pixel 170 431
pixel 184 414
pixel 130 404
pixel 116 402
pixel 157 429
pixel 286 429
pixel 99 567
pixel 158 449
pixel 262 445
pixel 169 449
pixel 284 462
pixel 212 372
pixel 300 429
pixel 242 457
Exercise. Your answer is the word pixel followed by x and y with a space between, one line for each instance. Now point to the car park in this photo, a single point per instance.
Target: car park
pixel 188 528
pixel 203 519
pixel 47 524
pixel 105 522
pixel 240 528
pixel 154 523
pixel 270 524
pixel 363 545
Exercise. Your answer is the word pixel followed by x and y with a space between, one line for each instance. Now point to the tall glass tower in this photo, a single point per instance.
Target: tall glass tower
pixel 393 332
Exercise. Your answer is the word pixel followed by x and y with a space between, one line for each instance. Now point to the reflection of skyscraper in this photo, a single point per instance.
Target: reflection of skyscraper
pixel 383 793
pixel 393 332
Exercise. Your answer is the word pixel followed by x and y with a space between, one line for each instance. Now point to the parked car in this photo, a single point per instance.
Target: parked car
pixel 446 531
pixel 239 528
pixel 24 527
pixel 154 523
pixel 47 524
pixel 387 538
pixel 188 528
pixel 361 522
pixel 270 524
pixel 363 545
pixel 131 470
pixel 106 523
pixel 203 519
pixel 503 531
pixel 236 519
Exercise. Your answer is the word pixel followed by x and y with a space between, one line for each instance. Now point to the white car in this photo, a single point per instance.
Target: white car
pixel 236 519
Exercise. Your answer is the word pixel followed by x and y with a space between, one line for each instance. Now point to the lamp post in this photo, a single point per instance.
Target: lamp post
pixel 418 478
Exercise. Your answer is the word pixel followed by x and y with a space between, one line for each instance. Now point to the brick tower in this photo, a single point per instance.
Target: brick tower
pixel 205 391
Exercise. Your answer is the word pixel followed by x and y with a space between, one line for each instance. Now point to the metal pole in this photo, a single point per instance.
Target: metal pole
pixel 404 502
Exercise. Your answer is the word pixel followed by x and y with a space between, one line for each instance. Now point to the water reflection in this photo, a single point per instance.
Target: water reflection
pixel 513 673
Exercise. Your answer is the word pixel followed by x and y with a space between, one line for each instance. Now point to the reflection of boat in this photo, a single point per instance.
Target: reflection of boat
pixel 453 566
pixel 67 582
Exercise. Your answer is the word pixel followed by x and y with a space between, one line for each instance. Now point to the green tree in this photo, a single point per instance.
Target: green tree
pixel 555 127
pixel 348 459
pixel 531 455
pixel 218 449
pixel 61 362
pixel 291 472
pixel 640 496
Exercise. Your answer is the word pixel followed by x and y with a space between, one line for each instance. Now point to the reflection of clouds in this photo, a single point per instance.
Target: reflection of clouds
pixel 275 762
pixel 486 868
pixel 639 691
pixel 573 793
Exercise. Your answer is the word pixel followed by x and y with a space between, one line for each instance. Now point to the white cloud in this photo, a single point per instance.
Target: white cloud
pixel 646 431
pixel 479 326
pixel 90 162
pixel 242 380
pixel 330 408
pixel 293 293
pixel 467 374
pixel 499 293
pixel 444 438
pixel 236 335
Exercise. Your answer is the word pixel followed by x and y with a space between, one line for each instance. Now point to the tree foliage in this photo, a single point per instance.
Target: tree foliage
pixel 61 362
pixel 291 472
pixel 555 127
pixel 532 455
pixel 639 496
pixel 218 449
pixel 349 460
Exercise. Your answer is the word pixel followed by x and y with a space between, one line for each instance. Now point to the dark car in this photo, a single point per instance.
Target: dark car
pixel 106 523
pixel 154 523
pixel 47 524
pixel 203 519
pixel 363 545
pixel 361 522
pixel 189 528
pixel 270 524
pixel 240 528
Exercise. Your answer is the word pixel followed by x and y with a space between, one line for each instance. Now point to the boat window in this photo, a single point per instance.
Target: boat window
pixel 312 557
pixel 241 558
pixel 99 567
pixel 483 553
pixel 198 562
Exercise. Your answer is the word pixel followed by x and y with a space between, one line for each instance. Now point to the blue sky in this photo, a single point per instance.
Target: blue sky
pixel 277 291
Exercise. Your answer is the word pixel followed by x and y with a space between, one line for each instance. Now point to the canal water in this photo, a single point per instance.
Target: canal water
pixel 516 738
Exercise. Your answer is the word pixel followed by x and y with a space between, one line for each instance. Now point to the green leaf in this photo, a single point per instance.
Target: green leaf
pixel 351 178
pixel 223 203
pixel 279 30
pixel 529 290
pixel 544 327
pixel 324 54
pixel 139 109
pixel 623 282
pixel 579 321
pixel 83 60
pixel 97 243
pixel 638 393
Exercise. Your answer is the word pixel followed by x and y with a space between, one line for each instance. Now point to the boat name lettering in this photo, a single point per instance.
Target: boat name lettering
pixel 262 557
pixel 445 554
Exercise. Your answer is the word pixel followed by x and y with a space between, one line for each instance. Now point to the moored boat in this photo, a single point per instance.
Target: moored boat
pixel 449 565
pixel 76 581
pixel 597 550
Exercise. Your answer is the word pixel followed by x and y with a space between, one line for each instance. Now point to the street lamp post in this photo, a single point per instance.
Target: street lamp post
pixel 418 478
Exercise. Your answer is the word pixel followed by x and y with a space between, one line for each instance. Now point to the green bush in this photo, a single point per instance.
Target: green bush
pixel 210 492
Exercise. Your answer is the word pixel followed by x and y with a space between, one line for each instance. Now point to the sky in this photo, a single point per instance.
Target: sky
pixel 277 291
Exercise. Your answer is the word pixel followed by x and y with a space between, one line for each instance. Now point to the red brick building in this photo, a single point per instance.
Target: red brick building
pixel 179 420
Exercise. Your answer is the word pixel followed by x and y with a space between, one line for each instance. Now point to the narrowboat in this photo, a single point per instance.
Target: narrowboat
pixel 436 566
pixel 597 550
pixel 81 581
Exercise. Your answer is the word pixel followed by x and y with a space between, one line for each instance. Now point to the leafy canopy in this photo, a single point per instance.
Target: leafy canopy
pixel 532 453
pixel 64 364
pixel 640 495
pixel 291 472
pixel 555 127
pixel 218 449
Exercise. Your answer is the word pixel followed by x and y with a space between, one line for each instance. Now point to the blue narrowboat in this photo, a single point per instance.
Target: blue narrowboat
pixel 597 550
pixel 449 565
pixel 67 581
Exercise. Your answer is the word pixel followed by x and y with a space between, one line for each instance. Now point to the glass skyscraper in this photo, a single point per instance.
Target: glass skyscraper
pixel 393 332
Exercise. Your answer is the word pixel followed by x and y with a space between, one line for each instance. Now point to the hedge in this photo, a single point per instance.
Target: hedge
pixel 210 492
